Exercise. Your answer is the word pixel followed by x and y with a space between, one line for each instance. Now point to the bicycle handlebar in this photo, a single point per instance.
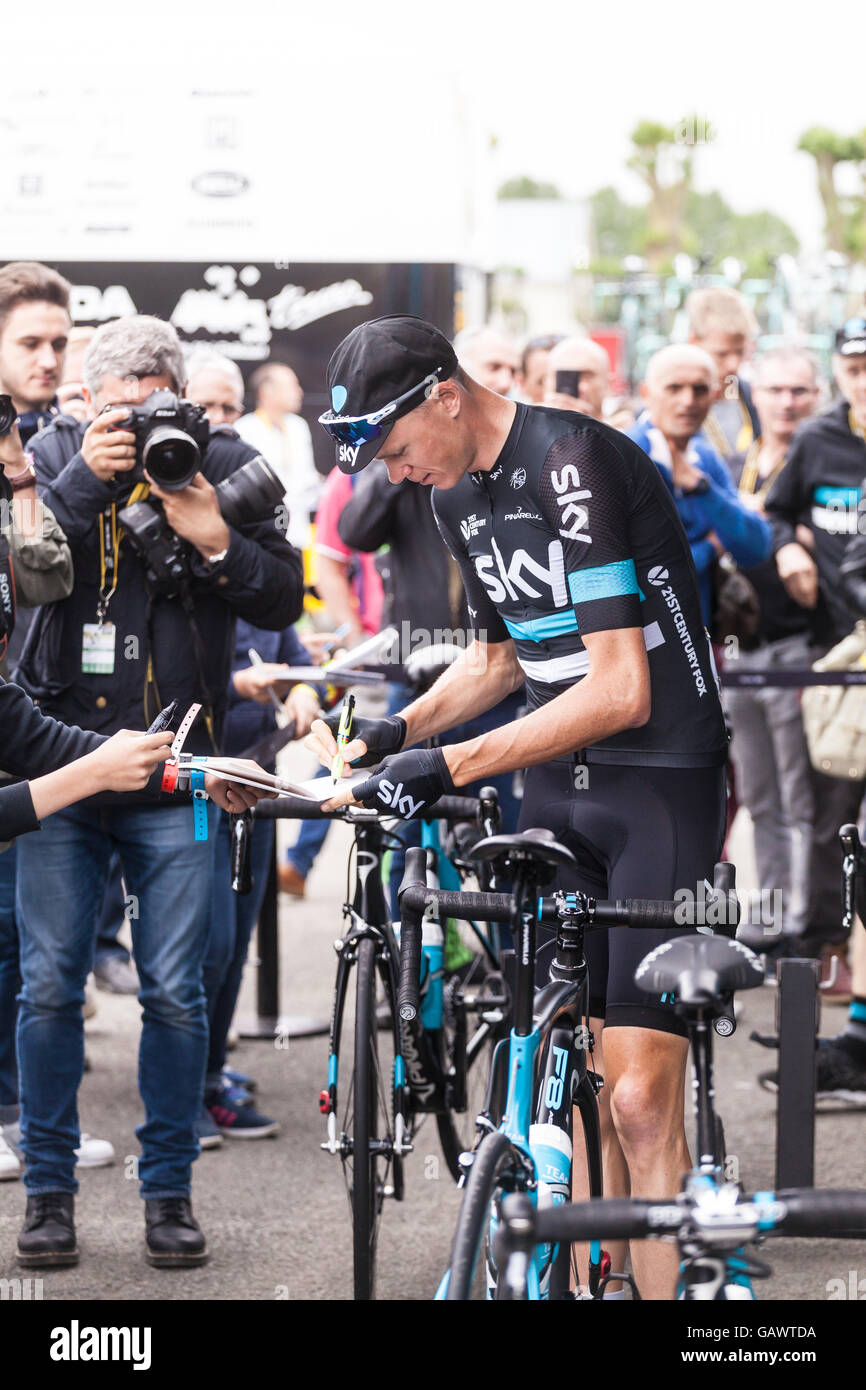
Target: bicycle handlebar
pixel 792 1212
pixel 415 897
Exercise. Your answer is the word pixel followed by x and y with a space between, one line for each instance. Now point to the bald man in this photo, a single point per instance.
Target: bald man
pixel 592 364
pixel 489 357
pixel 679 388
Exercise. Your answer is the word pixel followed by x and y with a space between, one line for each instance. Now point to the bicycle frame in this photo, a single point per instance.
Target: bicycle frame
pixel 547 1076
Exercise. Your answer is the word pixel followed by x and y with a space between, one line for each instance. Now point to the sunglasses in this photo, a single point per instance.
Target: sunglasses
pixel 362 429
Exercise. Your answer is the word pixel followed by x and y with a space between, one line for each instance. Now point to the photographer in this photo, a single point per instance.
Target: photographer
pixel 150 619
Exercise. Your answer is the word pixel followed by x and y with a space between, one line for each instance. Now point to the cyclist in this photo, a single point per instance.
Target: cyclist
pixel 580 582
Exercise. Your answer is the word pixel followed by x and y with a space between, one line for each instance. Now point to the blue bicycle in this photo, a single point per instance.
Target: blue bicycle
pixel 540 1072
pixel 711 1219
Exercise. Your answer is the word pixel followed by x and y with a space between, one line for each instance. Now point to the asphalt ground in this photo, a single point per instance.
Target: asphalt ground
pixel 275 1211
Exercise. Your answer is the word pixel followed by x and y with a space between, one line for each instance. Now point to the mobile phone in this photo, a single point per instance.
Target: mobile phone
pixel 568 383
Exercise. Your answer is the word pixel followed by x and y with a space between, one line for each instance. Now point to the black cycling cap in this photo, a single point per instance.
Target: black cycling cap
pixel 851 338
pixel 381 370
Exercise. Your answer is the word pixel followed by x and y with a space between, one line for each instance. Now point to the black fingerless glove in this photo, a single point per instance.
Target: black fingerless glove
pixel 407 783
pixel 382 736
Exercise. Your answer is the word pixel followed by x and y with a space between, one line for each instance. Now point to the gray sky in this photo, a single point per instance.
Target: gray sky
pixel 372 119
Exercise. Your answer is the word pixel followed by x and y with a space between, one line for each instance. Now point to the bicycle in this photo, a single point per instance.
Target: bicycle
pixel 711 1219
pixel 431 1063
pixel 542 1066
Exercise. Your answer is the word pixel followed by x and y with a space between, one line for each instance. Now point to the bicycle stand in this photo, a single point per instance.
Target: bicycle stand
pixel 268 1022
pixel 797 1025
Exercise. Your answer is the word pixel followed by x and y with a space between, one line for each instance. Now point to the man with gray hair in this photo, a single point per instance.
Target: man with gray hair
pixel 122 645
pixel 215 383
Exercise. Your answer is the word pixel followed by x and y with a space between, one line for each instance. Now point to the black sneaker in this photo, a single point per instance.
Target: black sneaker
pixel 48 1234
pixel 840 1076
pixel 173 1237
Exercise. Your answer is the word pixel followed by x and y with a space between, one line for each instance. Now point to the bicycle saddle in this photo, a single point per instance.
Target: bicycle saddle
pixel 426 665
pixel 531 846
pixel 699 969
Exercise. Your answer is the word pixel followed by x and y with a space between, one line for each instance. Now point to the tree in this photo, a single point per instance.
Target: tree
pixel 662 160
pixel 526 187
pixel 844 217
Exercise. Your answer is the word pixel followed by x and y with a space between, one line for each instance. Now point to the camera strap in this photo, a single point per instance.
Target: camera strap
pixel 110 536
pixel 7 593
pixel 198 653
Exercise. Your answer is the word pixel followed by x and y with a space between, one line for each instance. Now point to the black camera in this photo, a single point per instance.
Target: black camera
pixel 170 437
pixel 251 493
pixel 8 414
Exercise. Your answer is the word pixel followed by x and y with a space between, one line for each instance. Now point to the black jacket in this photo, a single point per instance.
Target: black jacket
pixel 32 744
pixel 853 570
pixel 820 487
pixel 260 580
pixel 423 586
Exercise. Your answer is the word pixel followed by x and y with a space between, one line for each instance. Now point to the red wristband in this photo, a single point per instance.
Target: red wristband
pixel 169 777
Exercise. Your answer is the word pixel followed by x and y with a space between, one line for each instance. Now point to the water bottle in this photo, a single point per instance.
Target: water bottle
pixel 552 1150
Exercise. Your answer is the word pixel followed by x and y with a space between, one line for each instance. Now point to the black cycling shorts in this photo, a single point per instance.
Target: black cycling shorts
pixel 636 832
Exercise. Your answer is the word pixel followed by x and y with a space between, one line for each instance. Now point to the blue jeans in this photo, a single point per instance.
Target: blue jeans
pixel 10 979
pixel 311 837
pixel 110 919
pixel 62 872
pixel 232 918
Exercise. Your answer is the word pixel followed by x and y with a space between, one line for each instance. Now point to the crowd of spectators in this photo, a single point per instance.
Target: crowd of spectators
pixel 765 461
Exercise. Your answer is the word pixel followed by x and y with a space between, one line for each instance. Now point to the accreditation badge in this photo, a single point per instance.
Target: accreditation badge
pixel 97 649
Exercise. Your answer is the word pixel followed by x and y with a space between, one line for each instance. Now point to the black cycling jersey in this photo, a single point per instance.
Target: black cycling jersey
pixel 573 531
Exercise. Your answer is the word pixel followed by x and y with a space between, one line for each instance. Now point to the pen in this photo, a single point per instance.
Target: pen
pixel 282 717
pixel 163 719
pixel 336 637
pixel 343 733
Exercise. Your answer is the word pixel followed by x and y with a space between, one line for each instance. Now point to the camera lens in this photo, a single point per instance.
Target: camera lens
pixel 251 493
pixel 171 457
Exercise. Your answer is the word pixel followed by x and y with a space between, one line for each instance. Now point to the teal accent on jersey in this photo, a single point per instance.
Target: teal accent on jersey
pixel 857 1012
pixel 605 581
pixel 539 629
pixel 837 496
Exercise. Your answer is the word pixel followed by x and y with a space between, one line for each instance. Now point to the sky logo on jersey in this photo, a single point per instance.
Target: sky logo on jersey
pixel 503 581
pixel 573 517
pixel 348 454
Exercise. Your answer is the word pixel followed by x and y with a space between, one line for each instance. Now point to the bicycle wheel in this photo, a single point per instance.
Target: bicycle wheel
pixel 368 1125
pixel 472 1051
pixel 472 1274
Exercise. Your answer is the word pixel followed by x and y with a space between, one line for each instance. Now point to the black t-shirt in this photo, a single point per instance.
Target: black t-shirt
pixel 573 531
pixel 780 616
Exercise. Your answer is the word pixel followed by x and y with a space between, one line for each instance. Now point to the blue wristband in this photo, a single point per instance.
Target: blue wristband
pixel 199 802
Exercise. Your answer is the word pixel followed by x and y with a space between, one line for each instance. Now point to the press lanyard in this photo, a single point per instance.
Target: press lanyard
pixel 750 478
pixel 109 551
